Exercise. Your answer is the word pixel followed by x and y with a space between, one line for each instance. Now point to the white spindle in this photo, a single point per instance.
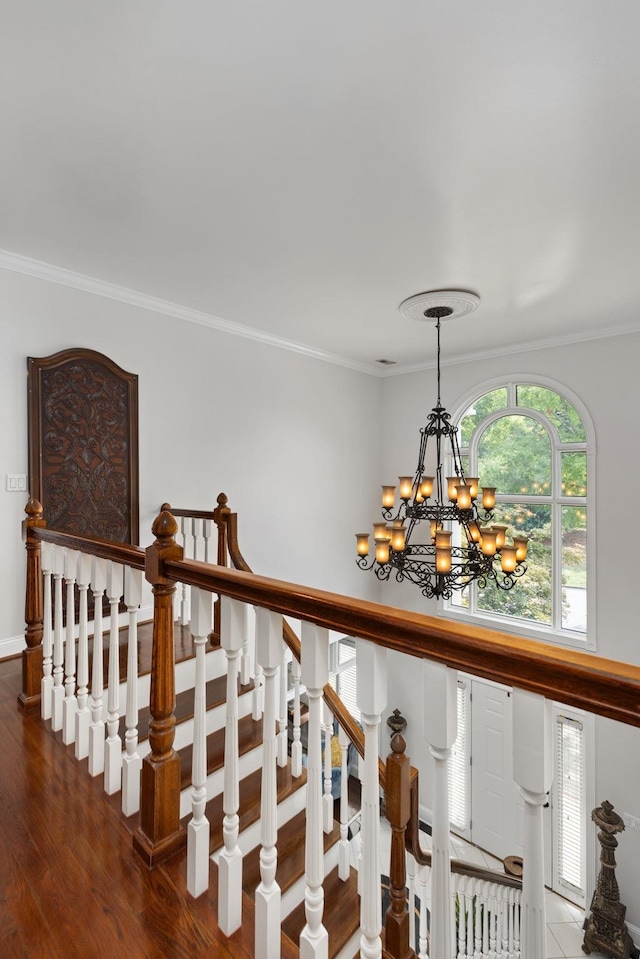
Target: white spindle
pixel 411 899
pixel 440 726
pixel 131 761
pixel 477 917
pixel 493 921
pixel 267 898
pixel 460 899
pixel 207 532
pixel 198 830
pixel 57 692
pixel 70 705
pixel 327 799
pixel 343 849
pixel 113 745
pixel 195 523
pixel 470 918
pixel 532 770
pixel 184 592
pixel 246 660
pixel 505 923
pixel 282 744
pixel 517 899
pixel 486 898
pixel 83 714
pixel 296 745
pixel 47 560
pixel 96 728
pixel 258 692
pixel 372 698
pixel 423 937
pixel 315 674
pixel 511 924
pixel 234 627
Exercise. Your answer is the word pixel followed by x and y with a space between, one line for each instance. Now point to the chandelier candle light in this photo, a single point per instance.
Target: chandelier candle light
pixel 460 512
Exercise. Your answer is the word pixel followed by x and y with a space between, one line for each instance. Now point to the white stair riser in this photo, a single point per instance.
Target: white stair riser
pixel 216 718
pixel 185 677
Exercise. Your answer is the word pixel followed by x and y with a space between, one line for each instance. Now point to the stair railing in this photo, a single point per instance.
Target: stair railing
pixel 537 672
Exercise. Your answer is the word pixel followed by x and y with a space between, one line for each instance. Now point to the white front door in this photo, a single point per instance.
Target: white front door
pixel 496 805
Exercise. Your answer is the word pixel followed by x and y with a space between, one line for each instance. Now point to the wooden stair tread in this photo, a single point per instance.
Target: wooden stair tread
pixel 249 809
pixel 249 737
pixel 291 853
pixel 341 916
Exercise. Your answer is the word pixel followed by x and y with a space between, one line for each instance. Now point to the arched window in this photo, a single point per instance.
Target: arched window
pixel 533 443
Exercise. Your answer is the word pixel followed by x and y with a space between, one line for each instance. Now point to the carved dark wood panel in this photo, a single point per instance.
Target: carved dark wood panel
pixel 83 444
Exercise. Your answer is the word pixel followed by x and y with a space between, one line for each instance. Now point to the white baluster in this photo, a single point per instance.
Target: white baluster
pixel 460 900
pixel 198 830
pixel 282 743
pixel 184 593
pixel 327 798
pixel 267 897
pixel 505 923
pixel 258 693
pixel 343 849
pixel 440 726
pixel 234 627
pixel 194 536
pixel 70 705
pixel 96 728
pixel 470 918
pixel 372 698
pixel 493 921
pixel 113 745
pixel 83 714
pixel 47 560
pixel 423 937
pixel 246 661
pixel 296 745
pixel 315 674
pixel 454 915
pixel 57 692
pixel 411 884
pixel 478 911
pixel 512 917
pixel 207 532
pixel 532 770
pixel 517 897
pixel 486 898
pixel 131 760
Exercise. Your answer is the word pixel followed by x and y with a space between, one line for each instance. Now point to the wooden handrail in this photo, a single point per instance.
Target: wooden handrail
pixel 601 686
pixel 121 553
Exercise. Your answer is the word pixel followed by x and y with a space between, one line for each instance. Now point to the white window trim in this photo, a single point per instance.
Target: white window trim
pixel 558 637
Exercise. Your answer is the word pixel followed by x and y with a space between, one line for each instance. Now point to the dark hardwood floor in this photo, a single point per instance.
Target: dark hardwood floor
pixel 70 884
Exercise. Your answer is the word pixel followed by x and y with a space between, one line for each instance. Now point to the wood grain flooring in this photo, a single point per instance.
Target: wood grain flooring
pixel 70 884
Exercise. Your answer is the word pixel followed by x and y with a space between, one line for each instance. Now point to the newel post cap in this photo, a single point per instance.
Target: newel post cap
pixel 162 549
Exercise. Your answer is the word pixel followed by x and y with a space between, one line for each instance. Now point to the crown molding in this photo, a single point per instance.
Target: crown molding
pixel 547 344
pixel 16 263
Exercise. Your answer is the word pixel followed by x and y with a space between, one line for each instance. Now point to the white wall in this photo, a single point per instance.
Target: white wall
pixel 603 373
pixel 289 438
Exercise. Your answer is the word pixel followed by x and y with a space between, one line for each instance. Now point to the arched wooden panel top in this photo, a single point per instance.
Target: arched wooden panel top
pixel 83 444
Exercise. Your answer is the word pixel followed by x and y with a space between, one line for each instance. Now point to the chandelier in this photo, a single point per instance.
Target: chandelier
pixel 461 545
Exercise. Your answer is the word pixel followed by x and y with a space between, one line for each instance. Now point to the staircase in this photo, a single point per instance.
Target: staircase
pixel 259 829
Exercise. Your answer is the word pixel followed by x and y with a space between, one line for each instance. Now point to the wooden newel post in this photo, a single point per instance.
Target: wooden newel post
pixel 159 834
pixel 397 811
pixel 29 698
pixel 220 515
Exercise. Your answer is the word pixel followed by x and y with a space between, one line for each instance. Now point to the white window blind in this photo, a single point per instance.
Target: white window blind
pixel 458 769
pixel 569 804
pixel 343 675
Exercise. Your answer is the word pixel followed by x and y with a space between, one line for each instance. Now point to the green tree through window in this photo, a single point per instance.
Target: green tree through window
pixel 529 442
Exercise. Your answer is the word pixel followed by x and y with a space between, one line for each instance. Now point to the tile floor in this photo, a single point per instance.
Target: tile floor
pixel 564 920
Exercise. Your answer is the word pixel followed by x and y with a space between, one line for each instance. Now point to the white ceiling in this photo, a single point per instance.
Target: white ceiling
pixel 302 167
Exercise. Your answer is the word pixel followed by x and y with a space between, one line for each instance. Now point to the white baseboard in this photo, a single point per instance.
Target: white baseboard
pixel 425 814
pixel 634 932
pixel 12 646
